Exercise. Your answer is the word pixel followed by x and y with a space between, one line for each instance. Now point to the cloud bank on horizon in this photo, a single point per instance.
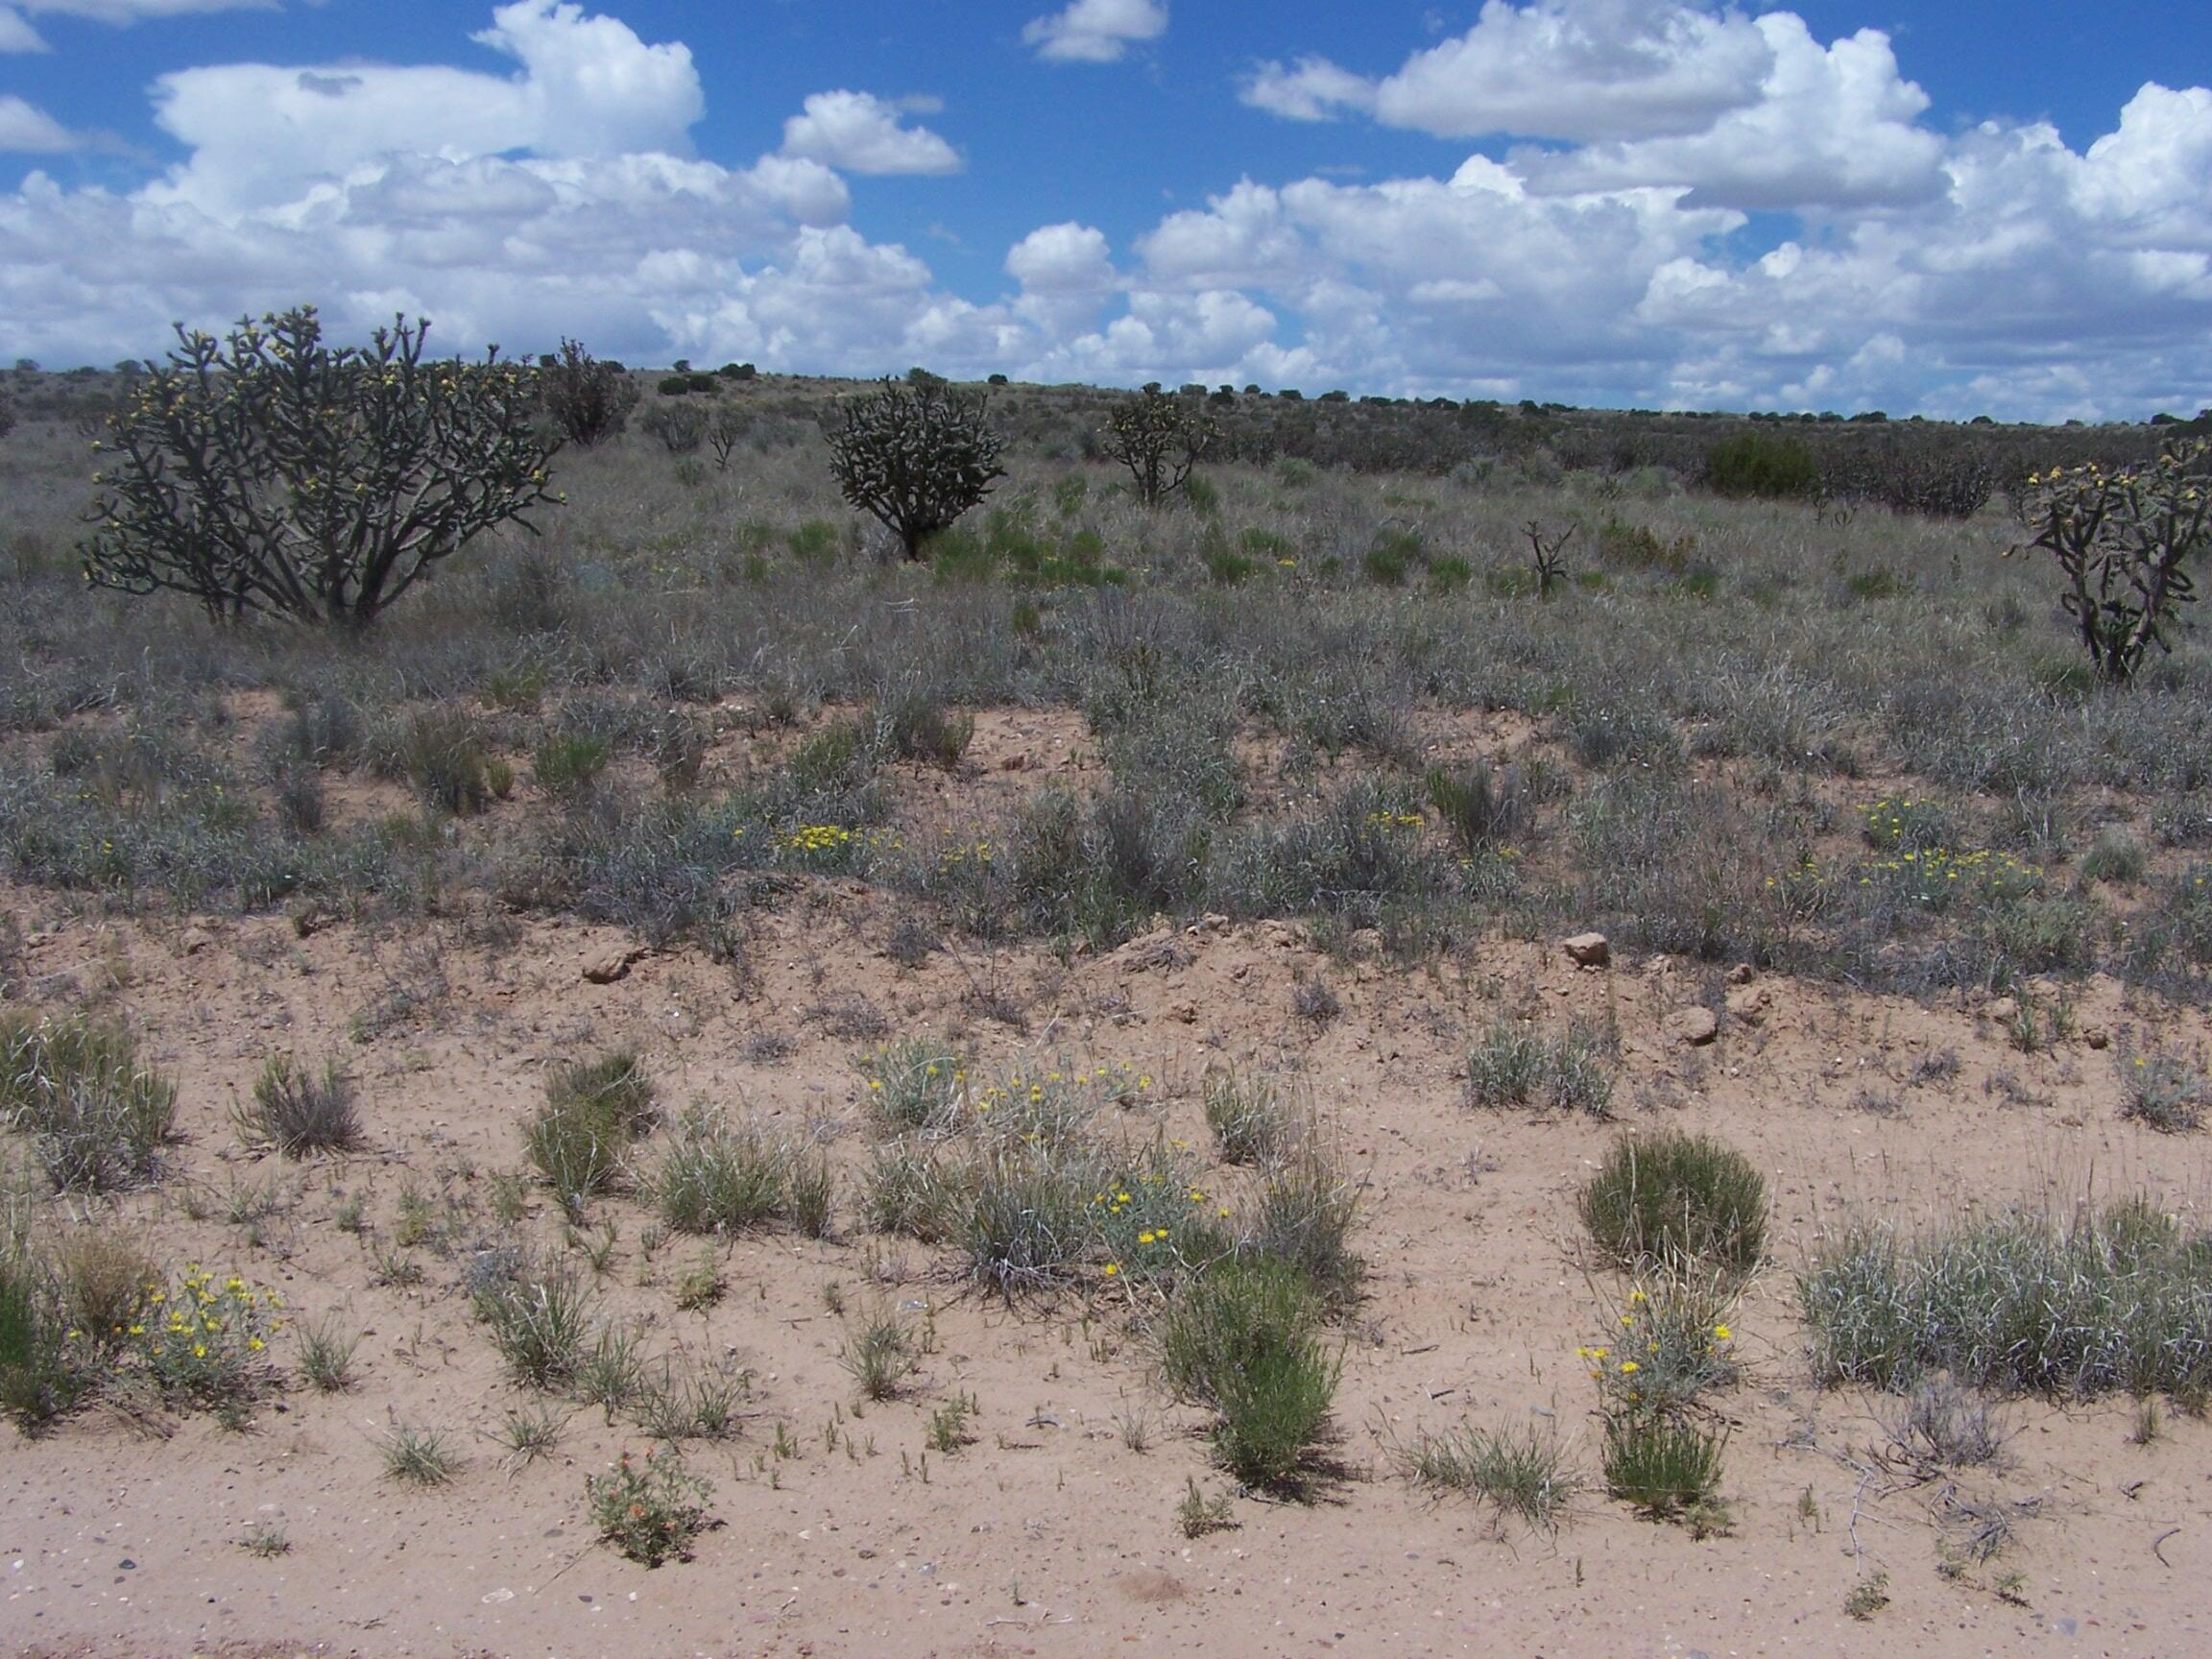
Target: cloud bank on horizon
pixel 1641 201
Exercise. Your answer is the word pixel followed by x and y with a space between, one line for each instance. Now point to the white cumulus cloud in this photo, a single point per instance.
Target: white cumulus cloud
pixel 1096 31
pixel 27 129
pixel 1829 126
pixel 1581 70
pixel 859 132
pixel 561 198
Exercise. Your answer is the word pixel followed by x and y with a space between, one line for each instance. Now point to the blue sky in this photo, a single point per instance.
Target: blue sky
pixel 1948 209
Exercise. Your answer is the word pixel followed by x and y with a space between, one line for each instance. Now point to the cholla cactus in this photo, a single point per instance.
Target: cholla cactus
pixel 270 473
pixel 1159 439
pixel 2123 539
pixel 588 398
pixel 914 458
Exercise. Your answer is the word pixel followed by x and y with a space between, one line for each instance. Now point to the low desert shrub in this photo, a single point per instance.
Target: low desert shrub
pixel 1679 1201
pixel 1246 1339
pixel 2106 1299
pixel 1668 1345
pixel 300 1110
pixel 720 1178
pixel 97 1118
pixel 1520 1064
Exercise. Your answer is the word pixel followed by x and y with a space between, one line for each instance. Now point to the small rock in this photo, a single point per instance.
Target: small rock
pixel 2097 1037
pixel 1740 974
pixel 1695 1026
pixel 1183 1013
pixel 1748 1003
pixel 1015 762
pixel 1589 951
pixel 605 967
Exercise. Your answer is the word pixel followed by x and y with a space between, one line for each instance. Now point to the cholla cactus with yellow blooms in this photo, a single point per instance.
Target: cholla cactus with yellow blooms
pixel 269 474
pixel 2124 536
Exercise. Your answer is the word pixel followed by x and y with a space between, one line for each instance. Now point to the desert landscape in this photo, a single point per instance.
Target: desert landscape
pixel 1472 1029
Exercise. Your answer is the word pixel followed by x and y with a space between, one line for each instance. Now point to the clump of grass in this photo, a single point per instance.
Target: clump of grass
pixel 1938 1422
pixel 567 764
pixel 1869 1596
pixel 443 755
pixel 98 1120
pixel 718 1178
pixel 1664 1466
pixel 881 1354
pixel 529 1435
pixel 103 1283
pixel 1251 1121
pixel 811 1189
pixel 419 1456
pixel 2105 1300
pixel 2116 855
pixel 913 1190
pixel 540 1323
pixel 610 1372
pixel 266 1540
pixel 1245 1338
pixel 1027 1219
pixel 1303 1218
pixel 326 1356
pixel 298 1110
pixel 2164 1091
pixel 37 1383
pixel 650 1508
pixel 917 1085
pixel 1520 1472
pixel 1480 807
pixel 700 1285
pixel 581 1136
pixel 949 1430
pixel 692 1405
pixel 1519 1064
pixel 1677 1200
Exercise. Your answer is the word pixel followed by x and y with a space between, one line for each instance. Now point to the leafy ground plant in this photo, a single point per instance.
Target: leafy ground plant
pixel 1667 1345
pixel 649 1507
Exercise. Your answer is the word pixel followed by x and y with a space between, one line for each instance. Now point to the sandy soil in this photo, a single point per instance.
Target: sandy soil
pixel 1051 1533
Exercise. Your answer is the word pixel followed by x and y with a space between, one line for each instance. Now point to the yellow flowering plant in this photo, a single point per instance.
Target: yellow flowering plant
pixel 206 1340
pixel 1668 1343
